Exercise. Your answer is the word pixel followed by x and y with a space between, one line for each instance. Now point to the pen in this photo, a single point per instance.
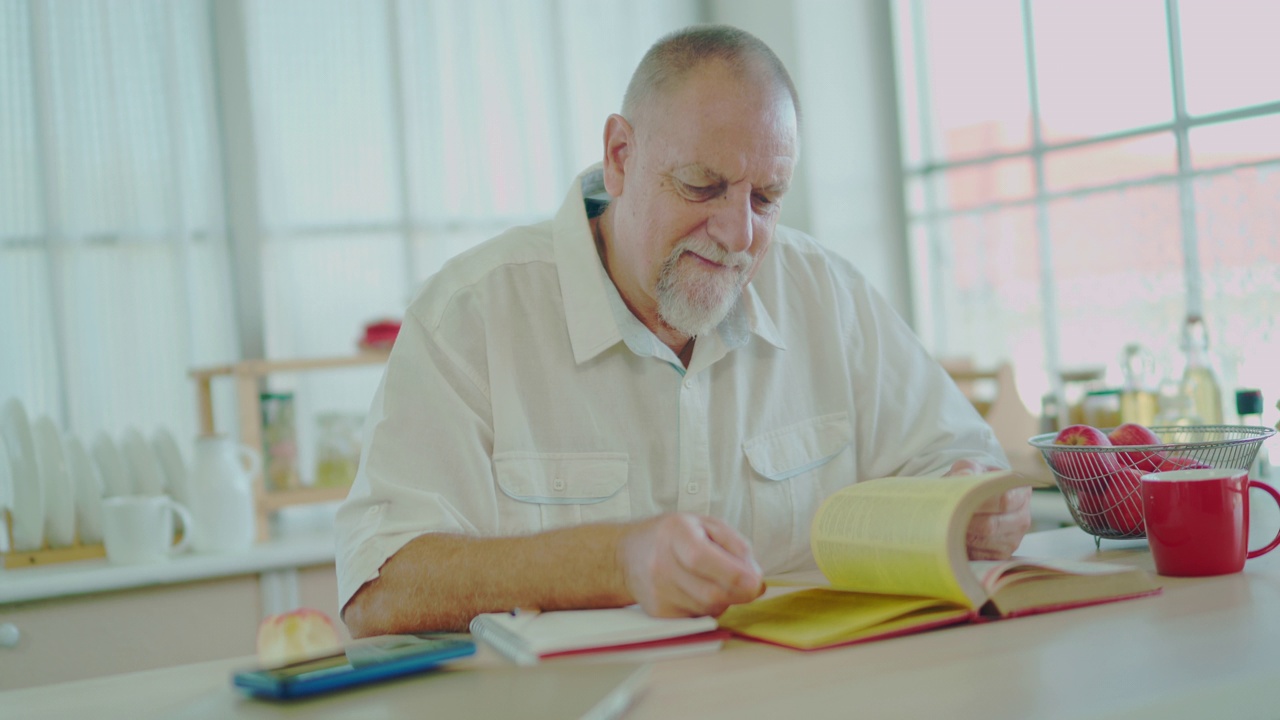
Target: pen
pixel 525 612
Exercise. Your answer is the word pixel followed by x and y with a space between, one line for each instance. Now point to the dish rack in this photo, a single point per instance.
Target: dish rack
pixel 1101 483
pixel 14 559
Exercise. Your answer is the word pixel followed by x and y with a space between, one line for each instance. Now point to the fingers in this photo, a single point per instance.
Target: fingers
pixel 1011 501
pixel 966 466
pixel 737 577
pixel 732 542
pixel 995 535
pixel 682 564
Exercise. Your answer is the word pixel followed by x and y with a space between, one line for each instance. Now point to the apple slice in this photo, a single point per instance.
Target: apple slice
pixel 296 635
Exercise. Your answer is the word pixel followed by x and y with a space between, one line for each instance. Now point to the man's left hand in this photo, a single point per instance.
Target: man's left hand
pixel 997 527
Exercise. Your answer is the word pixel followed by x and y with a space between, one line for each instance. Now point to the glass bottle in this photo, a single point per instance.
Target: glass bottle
pixel 1049 413
pixel 1138 400
pixel 279 441
pixel 337 449
pixel 1199 384
pixel 1263 515
pixel 1249 409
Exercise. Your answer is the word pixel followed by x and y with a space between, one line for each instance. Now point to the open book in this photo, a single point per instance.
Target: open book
pixel 894 553
pixel 610 634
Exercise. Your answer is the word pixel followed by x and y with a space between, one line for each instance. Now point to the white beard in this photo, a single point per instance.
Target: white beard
pixel 693 300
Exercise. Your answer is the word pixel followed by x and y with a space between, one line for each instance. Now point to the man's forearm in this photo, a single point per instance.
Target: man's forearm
pixel 440 582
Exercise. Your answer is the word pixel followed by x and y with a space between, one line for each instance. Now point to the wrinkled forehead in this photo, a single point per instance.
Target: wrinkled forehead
pixel 732 123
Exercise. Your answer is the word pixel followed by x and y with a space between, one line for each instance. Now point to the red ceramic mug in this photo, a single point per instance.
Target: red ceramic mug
pixel 1198 521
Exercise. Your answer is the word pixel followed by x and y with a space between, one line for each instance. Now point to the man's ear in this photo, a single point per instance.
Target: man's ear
pixel 619 138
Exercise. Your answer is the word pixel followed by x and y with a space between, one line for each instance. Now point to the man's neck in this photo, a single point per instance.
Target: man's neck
pixel 680 344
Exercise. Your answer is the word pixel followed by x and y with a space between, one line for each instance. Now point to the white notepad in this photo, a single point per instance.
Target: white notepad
pixel 618 632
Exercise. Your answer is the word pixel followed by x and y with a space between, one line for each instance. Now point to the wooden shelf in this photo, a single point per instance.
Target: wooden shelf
pixel 275 499
pixel 247 377
pixel 45 555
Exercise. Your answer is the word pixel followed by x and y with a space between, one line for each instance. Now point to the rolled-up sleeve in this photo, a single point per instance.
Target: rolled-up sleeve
pixel 427 442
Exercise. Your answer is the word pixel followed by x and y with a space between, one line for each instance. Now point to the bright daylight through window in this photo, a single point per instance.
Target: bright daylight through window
pixel 1085 174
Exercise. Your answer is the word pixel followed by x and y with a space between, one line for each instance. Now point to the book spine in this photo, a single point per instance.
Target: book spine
pixel 488 630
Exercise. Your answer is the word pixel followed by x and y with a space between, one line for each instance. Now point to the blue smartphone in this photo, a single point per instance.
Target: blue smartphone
pixel 360 663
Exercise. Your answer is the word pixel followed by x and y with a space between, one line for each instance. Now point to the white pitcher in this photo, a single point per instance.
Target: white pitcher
pixel 221 493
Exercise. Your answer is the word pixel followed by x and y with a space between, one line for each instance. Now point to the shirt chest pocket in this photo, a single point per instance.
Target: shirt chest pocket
pixel 544 491
pixel 795 468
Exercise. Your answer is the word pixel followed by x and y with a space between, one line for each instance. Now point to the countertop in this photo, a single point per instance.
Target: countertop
pixel 301 537
pixel 95 576
pixel 1204 648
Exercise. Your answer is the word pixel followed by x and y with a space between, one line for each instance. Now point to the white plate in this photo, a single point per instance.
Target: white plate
pixel 148 479
pixel 115 476
pixel 55 480
pixel 28 499
pixel 88 486
pixel 172 465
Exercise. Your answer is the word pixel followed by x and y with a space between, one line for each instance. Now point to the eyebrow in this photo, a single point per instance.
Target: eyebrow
pixel 719 179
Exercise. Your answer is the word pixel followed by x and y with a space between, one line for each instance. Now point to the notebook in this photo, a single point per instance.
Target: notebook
pixel 605 634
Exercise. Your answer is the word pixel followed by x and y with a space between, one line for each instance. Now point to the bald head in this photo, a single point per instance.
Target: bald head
pixel 673 57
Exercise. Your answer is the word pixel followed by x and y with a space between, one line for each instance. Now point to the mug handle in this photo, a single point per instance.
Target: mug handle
pixel 252 461
pixel 182 512
pixel 1276 540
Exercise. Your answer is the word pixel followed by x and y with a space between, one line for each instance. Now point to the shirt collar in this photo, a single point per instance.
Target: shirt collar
pixel 596 315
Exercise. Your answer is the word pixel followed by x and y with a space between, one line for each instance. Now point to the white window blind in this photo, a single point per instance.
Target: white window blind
pixel 113 263
pixel 384 136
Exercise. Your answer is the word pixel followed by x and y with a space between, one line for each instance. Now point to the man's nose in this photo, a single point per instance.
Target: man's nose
pixel 731 219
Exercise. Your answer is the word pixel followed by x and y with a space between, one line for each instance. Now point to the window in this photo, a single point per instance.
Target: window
pixel 114 265
pixel 1083 174
pixel 181 179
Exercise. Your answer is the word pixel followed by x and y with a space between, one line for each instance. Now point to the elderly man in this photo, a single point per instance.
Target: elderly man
pixel 645 399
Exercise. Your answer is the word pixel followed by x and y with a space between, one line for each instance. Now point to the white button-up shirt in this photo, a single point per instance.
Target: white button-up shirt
pixel 522 395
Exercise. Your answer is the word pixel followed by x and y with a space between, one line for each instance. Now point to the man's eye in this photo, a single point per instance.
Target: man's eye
pixel 763 203
pixel 700 191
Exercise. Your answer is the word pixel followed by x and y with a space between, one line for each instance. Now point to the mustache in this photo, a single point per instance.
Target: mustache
pixel 709 249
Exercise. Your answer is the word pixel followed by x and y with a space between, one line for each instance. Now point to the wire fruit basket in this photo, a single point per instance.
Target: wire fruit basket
pixel 1102 484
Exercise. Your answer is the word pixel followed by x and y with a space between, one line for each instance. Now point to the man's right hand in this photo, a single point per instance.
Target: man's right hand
pixel 681 565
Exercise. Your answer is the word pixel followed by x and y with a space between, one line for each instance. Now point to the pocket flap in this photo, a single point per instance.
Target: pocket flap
pixel 799 448
pixel 561 478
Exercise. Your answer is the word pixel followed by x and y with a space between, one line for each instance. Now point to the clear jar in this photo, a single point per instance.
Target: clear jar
pixel 1102 408
pixel 337 448
pixel 279 441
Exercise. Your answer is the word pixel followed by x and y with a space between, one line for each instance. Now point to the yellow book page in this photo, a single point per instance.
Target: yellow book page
pixel 810 619
pixel 904 536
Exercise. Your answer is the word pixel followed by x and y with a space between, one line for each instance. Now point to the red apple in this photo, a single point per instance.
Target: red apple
pixel 1135 434
pixel 1178 462
pixel 1083 465
pixel 1091 502
pixel 1081 435
pixel 1124 501
pixel 296 635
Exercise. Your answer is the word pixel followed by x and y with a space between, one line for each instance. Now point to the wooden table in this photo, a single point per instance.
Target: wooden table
pixel 1206 648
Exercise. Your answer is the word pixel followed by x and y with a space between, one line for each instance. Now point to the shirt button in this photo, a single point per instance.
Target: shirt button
pixel 689 383
pixel 374 510
pixel 692 488
pixel 558 484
